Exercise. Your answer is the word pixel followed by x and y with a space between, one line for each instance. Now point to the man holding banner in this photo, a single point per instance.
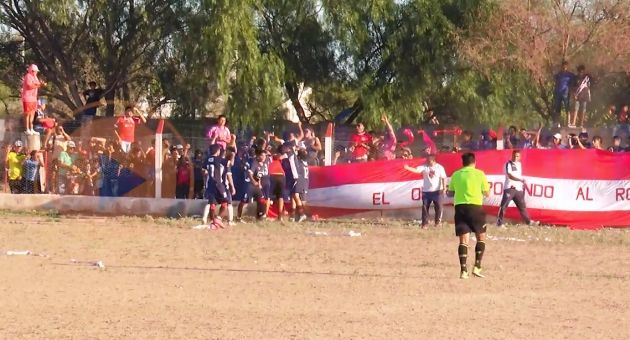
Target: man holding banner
pixel 468 186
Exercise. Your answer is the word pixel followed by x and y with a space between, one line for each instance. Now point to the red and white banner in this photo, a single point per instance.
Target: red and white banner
pixel 579 188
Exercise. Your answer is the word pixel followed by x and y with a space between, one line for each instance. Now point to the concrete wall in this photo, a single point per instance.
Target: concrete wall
pixel 175 208
pixel 115 206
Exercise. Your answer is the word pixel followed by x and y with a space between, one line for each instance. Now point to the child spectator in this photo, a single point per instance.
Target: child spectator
pixel 31 167
pixel 183 178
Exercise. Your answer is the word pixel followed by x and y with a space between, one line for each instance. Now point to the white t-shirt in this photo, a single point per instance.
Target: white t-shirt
pixel 432 176
pixel 515 169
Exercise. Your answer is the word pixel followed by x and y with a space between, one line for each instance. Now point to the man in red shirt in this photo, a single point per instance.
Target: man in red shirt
pixel 126 128
pixel 361 142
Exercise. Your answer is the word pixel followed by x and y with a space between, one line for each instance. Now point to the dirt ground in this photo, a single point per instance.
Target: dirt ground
pixel 163 279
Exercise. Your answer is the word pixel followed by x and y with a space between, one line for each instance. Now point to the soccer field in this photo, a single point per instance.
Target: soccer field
pixel 162 279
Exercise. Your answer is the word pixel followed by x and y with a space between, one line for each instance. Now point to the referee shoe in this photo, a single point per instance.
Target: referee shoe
pixel 477 272
pixel 463 275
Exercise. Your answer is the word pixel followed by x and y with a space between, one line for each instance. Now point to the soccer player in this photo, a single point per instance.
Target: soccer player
pixel 469 186
pixel 433 188
pixel 253 179
pixel 230 155
pixel 300 185
pixel 513 189
pixel 215 168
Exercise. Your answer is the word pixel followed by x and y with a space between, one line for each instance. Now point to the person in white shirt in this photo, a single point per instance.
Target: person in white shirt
pixel 433 188
pixel 513 189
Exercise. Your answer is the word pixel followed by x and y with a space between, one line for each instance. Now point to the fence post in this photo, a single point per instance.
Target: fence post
pixel 328 145
pixel 158 159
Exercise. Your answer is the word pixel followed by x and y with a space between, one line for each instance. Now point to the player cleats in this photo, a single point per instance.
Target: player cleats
pixel 302 218
pixel 463 275
pixel 534 223
pixel 477 272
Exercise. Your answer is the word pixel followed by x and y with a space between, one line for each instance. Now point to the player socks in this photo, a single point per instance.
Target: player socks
pixel 462 250
pixel 230 209
pixel 206 211
pixel 479 249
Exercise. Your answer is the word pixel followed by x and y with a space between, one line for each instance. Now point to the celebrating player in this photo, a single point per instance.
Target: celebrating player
pixel 469 185
pixel 215 168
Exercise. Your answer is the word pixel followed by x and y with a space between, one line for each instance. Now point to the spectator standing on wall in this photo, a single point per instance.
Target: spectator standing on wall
pixel 563 82
pixel 582 96
pixel 361 142
pixel 125 128
pixel 220 133
pixel 30 86
pixel 13 162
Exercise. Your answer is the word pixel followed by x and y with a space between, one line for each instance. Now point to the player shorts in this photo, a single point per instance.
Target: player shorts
pixel 300 187
pixel 216 194
pixel 278 187
pixel 266 186
pixel 469 218
pixel 251 192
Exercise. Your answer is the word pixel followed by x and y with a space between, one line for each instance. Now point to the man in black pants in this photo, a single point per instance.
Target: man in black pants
pixel 513 189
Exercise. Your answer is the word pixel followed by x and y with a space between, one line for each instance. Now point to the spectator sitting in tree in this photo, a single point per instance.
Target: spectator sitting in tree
pixel 582 96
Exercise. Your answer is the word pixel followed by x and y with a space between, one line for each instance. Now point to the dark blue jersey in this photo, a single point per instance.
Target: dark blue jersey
pixel 217 170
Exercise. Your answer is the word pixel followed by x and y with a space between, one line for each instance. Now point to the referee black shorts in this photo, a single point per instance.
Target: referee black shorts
pixel 469 218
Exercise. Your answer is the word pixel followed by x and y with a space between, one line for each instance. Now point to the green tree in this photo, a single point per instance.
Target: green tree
pixel 115 42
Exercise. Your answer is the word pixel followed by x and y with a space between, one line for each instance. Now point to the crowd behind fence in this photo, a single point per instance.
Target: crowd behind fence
pixel 116 156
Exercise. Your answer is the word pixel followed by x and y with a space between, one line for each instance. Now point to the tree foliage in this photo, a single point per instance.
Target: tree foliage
pixel 473 61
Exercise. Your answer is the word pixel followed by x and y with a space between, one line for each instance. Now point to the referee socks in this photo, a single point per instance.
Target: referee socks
pixel 462 250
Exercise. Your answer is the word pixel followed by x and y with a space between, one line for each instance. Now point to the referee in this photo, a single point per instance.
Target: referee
pixel 469 185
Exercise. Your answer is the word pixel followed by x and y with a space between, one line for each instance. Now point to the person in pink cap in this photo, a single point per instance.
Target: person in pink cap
pixel 220 134
pixel 30 86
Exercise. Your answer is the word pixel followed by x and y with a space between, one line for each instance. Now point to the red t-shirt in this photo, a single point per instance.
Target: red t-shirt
pixel 183 175
pixel 623 117
pixel 127 128
pixel 360 150
pixel 275 167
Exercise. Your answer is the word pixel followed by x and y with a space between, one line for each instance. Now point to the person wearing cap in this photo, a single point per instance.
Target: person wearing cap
pixel 14 161
pixel 30 86
pixel 65 166
pixel 555 143
pixel 125 128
